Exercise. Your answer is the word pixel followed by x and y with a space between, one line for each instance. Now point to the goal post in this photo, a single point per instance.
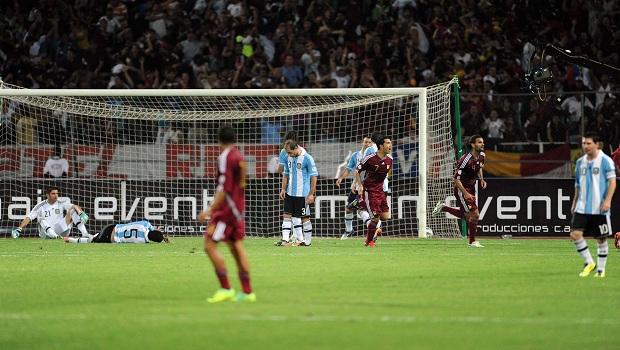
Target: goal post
pixel 151 154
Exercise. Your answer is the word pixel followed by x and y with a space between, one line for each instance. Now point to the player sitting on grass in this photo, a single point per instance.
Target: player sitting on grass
pixel 132 232
pixel 55 217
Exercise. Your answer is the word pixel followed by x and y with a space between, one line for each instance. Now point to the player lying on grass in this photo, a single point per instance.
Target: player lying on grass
pixel 131 232
pixel 55 216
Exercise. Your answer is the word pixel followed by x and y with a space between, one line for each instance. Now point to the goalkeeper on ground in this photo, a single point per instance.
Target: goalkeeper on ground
pixel 131 232
pixel 55 216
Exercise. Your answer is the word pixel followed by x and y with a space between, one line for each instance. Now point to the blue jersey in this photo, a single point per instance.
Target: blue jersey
pixel 132 232
pixel 299 170
pixel 283 157
pixel 370 150
pixel 353 160
pixel 591 177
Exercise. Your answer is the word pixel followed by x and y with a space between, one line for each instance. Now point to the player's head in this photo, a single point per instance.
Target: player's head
pixel 476 142
pixel 52 193
pixel 226 134
pixel 291 135
pixel 157 236
pixel 292 148
pixel 589 143
pixel 366 142
pixel 383 143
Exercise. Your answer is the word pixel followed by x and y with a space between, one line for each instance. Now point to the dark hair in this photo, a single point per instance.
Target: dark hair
pixel 291 135
pixel 226 134
pixel 592 135
pixel 155 236
pixel 377 138
pixel 50 189
pixel 291 144
pixel 473 138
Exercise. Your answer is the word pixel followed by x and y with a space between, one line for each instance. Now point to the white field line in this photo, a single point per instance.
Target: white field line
pixel 408 319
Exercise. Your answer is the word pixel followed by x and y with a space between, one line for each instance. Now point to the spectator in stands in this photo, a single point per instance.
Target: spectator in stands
pixel 494 127
pixel 56 166
pixel 532 128
pixel 511 132
pixel 556 130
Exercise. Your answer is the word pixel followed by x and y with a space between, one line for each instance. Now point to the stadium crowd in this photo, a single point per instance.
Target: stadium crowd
pixel 120 44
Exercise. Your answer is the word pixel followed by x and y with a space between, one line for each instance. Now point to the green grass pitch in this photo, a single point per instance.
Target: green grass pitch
pixel 405 294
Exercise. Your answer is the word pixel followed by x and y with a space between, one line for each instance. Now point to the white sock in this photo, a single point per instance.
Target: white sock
pixel 50 233
pixel 82 228
pixel 348 222
pixel 582 249
pixel 364 216
pixel 286 229
pixel 79 240
pixel 602 251
pixel 308 232
pixel 297 229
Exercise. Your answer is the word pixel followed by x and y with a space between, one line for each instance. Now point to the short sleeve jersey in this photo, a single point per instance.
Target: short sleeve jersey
pixel 376 171
pixel 132 232
pixel 230 181
pixel 467 168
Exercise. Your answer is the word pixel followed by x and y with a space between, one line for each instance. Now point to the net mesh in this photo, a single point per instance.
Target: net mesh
pixel 154 157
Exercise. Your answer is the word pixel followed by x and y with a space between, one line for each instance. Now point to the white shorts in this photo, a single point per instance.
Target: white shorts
pixel 61 228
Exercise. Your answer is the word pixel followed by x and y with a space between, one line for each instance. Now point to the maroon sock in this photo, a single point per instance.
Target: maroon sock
pixel 472 230
pixel 244 277
pixel 454 211
pixel 370 234
pixel 223 277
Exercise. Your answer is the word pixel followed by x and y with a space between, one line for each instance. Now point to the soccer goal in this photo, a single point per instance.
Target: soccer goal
pixel 152 154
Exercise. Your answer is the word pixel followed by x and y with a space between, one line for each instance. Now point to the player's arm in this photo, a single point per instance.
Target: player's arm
pixel 283 187
pixel 218 200
pixel 575 196
pixel 243 174
pixel 343 176
pixel 360 185
pixel 483 183
pixel 459 185
pixel 310 198
pixel 611 188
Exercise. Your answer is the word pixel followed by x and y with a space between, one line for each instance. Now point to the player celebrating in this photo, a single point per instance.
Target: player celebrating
pixel 55 216
pixel 352 200
pixel 298 188
pixel 595 183
pixel 289 223
pixel 376 167
pixel 468 171
pixel 226 222
pixel 131 232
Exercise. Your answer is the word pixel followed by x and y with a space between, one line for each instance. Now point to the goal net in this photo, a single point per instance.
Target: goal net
pixel 151 154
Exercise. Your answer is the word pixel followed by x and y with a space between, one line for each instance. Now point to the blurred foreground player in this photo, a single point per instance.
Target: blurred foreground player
pixel 226 223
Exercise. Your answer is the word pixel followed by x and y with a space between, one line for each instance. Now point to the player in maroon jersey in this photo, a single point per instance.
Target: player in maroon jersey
pixel 225 217
pixel 468 171
pixel 376 167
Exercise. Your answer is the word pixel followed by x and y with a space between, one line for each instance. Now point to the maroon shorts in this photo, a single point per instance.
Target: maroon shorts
pixel 375 202
pixel 225 230
pixel 466 205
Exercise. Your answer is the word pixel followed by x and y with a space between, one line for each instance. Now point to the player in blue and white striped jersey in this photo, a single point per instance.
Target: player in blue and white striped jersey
pixel 351 206
pixel 298 189
pixel 595 183
pixel 131 232
pixel 292 225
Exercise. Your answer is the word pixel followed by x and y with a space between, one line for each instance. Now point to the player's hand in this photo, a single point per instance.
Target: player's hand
pixel 605 206
pixel 483 184
pixel 310 199
pixel 466 195
pixel 338 182
pixel 282 194
pixel 83 217
pixel 203 216
pixel 16 232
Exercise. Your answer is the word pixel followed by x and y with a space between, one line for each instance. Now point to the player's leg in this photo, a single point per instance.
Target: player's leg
pixel 604 230
pixel 348 215
pixel 215 232
pixel 298 233
pixel 243 267
pixel 75 218
pixel 49 230
pixel 458 211
pixel 578 225
pixel 287 223
pixel 302 210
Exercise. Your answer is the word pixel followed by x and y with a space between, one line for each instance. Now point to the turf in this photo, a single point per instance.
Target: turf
pixel 422 294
